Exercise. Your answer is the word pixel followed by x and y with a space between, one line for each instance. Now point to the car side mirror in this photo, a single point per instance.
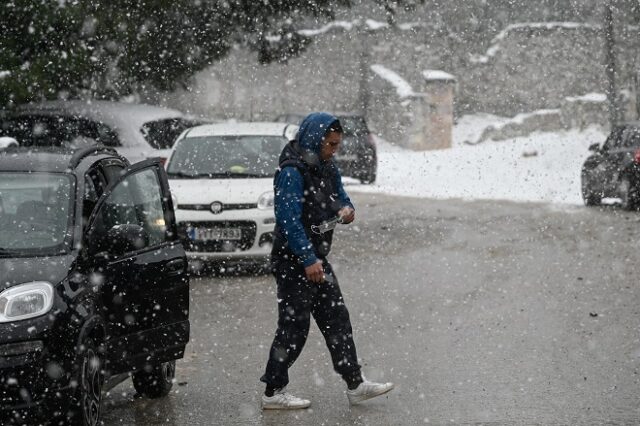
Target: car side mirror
pixel 594 147
pixel 126 238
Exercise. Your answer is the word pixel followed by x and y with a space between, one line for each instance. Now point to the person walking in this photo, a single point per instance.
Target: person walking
pixel 309 192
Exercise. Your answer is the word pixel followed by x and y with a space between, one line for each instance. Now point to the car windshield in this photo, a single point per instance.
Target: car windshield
pixel 34 212
pixel 226 156
pixel 161 134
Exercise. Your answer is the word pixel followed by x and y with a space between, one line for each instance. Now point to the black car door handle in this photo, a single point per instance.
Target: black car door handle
pixel 175 267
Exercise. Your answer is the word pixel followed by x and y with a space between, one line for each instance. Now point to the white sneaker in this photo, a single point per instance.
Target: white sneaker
pixel 367 390
pixel 282 400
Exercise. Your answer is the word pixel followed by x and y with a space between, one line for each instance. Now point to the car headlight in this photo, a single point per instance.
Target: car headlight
pixel 266 201
pixel 26 301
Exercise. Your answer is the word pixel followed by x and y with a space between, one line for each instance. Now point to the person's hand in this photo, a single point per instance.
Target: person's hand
pixel 314 272
pixel 347 214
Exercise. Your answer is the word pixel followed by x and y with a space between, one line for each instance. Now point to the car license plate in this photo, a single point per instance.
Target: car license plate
pixel 207 234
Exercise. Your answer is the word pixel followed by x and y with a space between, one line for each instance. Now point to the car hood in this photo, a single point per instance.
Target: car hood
pixel 18 270
pixel 228 191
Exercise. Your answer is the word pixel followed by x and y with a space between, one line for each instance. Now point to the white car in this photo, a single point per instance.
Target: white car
pixel 221 178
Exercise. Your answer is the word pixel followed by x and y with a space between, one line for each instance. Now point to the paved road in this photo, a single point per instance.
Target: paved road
pixel 481 312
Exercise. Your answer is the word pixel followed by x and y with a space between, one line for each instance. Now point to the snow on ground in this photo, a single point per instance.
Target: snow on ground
pixel 542 167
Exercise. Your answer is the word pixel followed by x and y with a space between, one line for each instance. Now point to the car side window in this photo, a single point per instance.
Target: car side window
pixel 113 171
pixel 161 134
pixel 135 200
pixel 149 207
pixel 80 132
pixel 34 130
pixel 93 188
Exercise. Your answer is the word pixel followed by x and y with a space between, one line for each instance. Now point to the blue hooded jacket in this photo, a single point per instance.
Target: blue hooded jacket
pixel 289 186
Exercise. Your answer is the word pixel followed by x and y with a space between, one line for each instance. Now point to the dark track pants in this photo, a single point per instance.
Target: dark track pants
pixel 298 299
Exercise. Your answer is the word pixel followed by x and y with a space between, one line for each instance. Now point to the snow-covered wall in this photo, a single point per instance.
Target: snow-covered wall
pixel 524 67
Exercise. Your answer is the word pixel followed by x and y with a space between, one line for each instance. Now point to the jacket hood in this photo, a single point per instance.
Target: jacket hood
pixel 312 131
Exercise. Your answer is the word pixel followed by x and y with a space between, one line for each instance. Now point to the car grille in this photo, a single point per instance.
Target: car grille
pixel 247 229
pixel 224 206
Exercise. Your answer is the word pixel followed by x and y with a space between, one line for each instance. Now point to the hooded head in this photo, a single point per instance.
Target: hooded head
pixel 313 129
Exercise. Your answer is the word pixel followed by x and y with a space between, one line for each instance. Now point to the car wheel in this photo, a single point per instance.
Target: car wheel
pixel 628 193
pixel 368 176
pixel 155 380
pixel 86 400
pixel 590 197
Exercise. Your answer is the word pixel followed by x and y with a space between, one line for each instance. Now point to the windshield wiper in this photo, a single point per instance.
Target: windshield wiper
pixel 215 175
pixel 187 175
pixel 235 175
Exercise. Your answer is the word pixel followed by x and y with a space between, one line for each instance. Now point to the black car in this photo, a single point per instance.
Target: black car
pixel 93 282
pixel 613 170
pixel 357 157
pixel 137 131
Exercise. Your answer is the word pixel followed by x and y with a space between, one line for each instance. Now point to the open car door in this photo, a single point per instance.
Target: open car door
pixel 142 263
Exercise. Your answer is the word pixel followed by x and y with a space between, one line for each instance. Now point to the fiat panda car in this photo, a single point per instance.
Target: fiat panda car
pixel 222 178
pixel 94 286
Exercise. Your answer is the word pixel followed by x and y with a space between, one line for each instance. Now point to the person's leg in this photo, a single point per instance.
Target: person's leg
pixel 332 317
pixel 294 308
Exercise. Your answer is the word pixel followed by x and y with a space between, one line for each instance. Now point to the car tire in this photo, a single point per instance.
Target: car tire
pixel 628 193
pixel 369 176
pixel 86 399
pixel 590 197
pixel 156 380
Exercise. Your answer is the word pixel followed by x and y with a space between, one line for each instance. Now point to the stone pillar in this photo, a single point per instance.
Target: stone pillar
pixel 433 125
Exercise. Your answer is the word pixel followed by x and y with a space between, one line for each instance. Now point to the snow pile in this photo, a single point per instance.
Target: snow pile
pixel 369 24
pixel 520 118
pixel 495 43
pixel 470 128
pixel 589 97
pixel 437 75
pixel 326 28
pixel 542 167
pixel 375 25
pixel 403 88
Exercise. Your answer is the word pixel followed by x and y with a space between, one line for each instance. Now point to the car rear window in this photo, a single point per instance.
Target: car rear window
pixel 161 134
pixel 354 125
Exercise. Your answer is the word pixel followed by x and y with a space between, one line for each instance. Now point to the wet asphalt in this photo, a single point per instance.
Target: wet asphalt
pixel 480 312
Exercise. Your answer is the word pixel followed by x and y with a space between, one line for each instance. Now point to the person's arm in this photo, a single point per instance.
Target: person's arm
pixel 289 193
pixel 347 211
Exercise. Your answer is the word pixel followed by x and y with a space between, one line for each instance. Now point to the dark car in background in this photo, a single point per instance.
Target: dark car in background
pixel 137 131
pixel 357 156
pixel 94 284
pixel 613 170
